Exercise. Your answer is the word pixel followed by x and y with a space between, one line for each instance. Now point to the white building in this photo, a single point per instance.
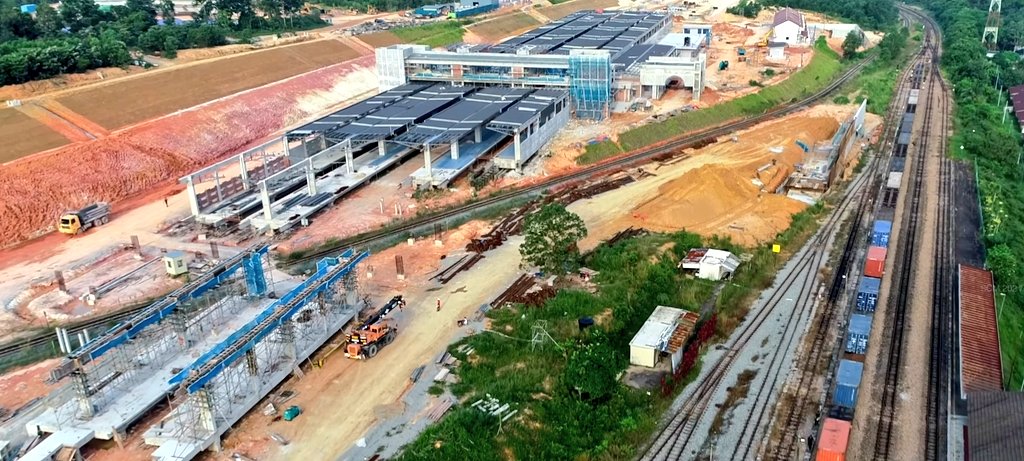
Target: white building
pixel 709 263
pixel 666 330
pixel 776 51
pixel 789 26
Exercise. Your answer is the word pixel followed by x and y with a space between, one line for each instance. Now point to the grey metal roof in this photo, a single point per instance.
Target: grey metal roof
pixel 995 426
pixel 537 104
pixel 464 116
pixel 359 109
pixel 395 118
pixel 584 29
pixel 640 53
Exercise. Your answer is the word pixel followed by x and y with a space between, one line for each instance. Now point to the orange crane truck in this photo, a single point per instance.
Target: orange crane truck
pixel 376 332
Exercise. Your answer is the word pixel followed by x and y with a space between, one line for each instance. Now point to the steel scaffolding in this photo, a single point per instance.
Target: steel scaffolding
pixel 225 383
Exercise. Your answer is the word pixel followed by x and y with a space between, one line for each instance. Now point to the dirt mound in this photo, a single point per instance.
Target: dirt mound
pixel 34 190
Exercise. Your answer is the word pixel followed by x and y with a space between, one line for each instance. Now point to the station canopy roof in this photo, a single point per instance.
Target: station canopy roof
pixel 464 116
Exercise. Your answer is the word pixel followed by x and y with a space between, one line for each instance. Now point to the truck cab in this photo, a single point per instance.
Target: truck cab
pixel 70 224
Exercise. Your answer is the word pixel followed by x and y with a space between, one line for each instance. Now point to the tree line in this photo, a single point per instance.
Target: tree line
pixel 378 5
pixel 80 36
pixel 870 14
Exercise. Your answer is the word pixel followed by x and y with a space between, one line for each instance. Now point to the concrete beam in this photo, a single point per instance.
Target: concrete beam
pixel 382 148
pixel 427 160
pixel 455 149
pixel 193 200
pixel 310 178
pixel 244 172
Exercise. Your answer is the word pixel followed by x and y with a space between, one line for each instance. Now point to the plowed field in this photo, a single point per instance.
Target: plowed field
pixel 564 9
pixel 379 39
pixel 134 100
pixel 22 135
pixel 504 26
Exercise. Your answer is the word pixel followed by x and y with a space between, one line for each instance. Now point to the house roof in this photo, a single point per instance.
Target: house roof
pixel 980 362
pixel 1017 98
pixel 720 258
pixel 788 14
pixel 995 425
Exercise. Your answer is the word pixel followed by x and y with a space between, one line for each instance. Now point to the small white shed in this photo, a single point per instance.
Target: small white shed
pixel 653 336
pixel 717 265
pixel 776 51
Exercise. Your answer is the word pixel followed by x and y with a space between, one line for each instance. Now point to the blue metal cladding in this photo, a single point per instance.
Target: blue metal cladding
pixel 859 331
pixel 847 383
pixel 590 85
pixel 880 233
pixel 867 294
pixel 290 302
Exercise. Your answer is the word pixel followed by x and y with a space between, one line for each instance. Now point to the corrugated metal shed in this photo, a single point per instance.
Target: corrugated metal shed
pixel 980 363
pixel 995 426
pixel 1017 98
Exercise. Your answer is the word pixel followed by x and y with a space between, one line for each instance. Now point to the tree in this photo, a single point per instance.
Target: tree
pixel 48 20
pixel 591 371
pixel 79 15
pixel 551 237
pixel 167 11
pixel 142 6
pixel 851 44
pixel 170 50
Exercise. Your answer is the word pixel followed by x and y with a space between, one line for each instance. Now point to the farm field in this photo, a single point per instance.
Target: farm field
pixel 23 135
pixel 379 39
pixel 504 26
pixel 161 93
pixel 564 9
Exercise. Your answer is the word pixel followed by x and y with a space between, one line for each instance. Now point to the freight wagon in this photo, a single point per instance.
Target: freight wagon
pixel 867 294
pixel 880 233
pixel 859 332
pixel 875 264
pixel 835 435
pixel 847 383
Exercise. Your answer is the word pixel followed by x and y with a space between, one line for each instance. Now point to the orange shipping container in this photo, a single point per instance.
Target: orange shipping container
pixel 835 434
pixel 875 265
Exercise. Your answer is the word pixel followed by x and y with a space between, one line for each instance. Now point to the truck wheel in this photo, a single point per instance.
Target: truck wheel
pixel 105 219
pixel 389 337
pixel 371 351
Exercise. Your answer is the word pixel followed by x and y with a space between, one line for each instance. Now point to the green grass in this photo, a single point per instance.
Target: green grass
pixel 877 82
pixel 435 34
pixel 822 69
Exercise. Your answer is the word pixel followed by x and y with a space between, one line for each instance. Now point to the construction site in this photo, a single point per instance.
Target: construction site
pixel 186 305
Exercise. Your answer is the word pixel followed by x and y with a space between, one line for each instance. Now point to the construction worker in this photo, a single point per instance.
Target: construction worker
pixel 439 304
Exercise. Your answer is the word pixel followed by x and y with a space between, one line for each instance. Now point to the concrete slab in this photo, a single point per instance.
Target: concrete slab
pixel 445 168
pixel 48 448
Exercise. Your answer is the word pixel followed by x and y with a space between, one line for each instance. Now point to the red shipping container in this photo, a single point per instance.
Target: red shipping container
pixel 875 265
pixel 835 434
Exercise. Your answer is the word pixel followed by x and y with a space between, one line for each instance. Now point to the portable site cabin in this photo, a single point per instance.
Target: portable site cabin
pixel 665 331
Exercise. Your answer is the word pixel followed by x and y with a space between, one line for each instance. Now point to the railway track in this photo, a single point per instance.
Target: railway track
pixel 899 298
pixel 944 284
pixel 782 443
pixel 675 438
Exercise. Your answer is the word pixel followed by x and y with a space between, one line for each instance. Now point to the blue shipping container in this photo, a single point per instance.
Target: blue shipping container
pixel 28 9
pixel 859 331
pixel 880 233
pixel 847 383
pixel 867 294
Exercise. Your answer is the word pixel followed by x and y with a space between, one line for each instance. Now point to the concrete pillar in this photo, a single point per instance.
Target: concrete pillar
pixel 382 148
pixel 284 140
pixel 193 200
pixel 310 178
pixel 86 410
pixel 216 182
pixel 243 171
pixel 455 149
pixel 349 159
pixel 517 145
pixel 268 214
pixel 426 160
pixel 478 134
pixel 204 403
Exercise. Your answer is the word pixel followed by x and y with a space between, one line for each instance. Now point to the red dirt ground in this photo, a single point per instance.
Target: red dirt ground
pixel 36 189
pixel 161 93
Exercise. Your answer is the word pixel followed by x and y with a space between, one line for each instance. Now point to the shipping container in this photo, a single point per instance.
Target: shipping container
pixel 904 138
pixel 913 96
pixel 867 294
pixel 875 264
pixel 880 233
pixel 847 383
pixel 895 179
pixel 897 164
pixel 29 8
pixel 859 331
pixel 907 124
pixel 835 434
